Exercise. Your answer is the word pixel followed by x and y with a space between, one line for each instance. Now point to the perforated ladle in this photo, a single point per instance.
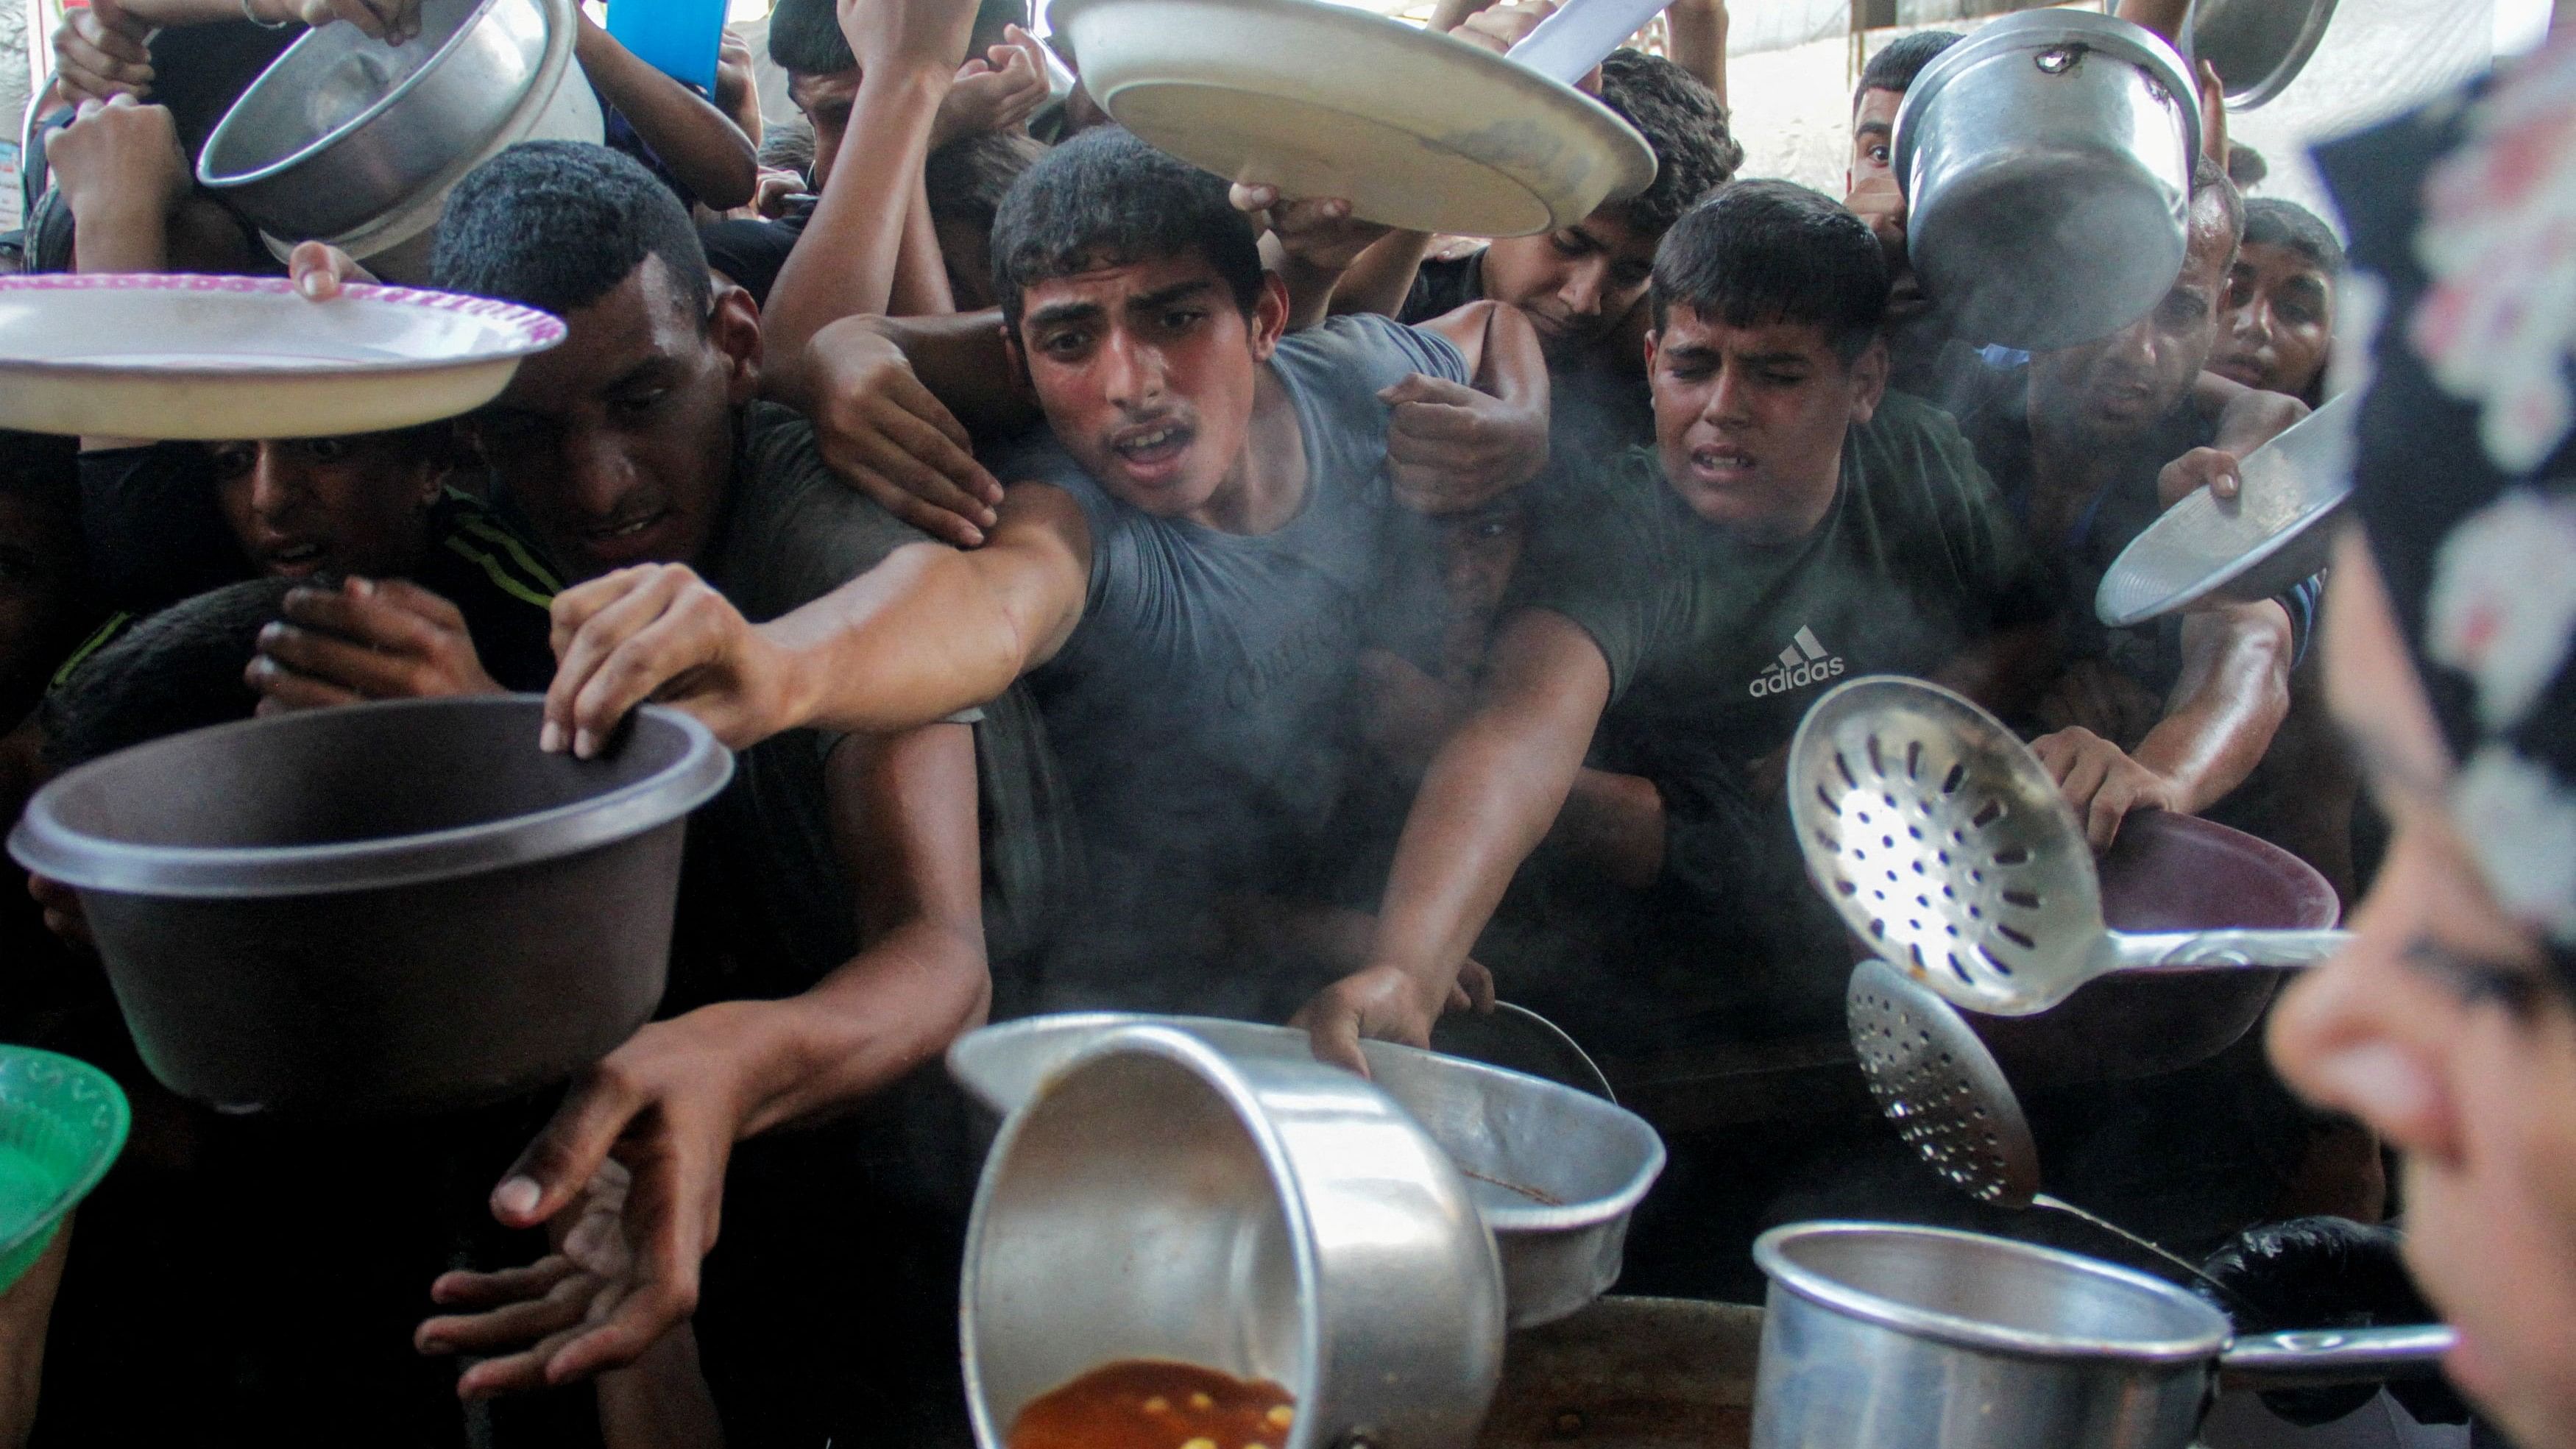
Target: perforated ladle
pixel 1944 843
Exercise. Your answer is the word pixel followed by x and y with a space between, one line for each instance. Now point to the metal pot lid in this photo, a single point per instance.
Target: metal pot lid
pixel 2031 30
pixel 2259 46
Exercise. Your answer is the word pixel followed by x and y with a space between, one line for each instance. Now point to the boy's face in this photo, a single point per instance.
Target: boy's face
pixel 1574 285
pixel 352 505
pixel 1873 136
pixel 1147 372
pixel 2279 320
pixel 618 444
pixel 825 101
pixel 1750 421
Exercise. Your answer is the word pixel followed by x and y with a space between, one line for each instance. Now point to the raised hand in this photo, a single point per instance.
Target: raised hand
pixel 1451 448
pixel 365 640
pixel 99 51
pixel 881 429
pixel 994 92
pixel 659 632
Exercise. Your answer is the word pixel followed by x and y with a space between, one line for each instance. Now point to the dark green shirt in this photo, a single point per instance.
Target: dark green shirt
pixel 1717 644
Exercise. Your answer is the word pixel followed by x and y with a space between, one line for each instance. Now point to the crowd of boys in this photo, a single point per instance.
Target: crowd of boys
pixel 1123 591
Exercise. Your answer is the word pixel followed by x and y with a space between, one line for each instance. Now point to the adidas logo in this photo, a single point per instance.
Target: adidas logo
pixel 1803 663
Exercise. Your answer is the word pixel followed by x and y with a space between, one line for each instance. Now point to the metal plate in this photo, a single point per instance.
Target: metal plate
pixel 1416 130
pixel 1937 1082
pixel 2278 530
pixel 2259 46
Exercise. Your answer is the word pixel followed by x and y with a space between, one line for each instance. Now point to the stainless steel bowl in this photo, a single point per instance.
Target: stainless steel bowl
pixel 2047 162
pixel 386 908
pixel 1555 1172
pixel 343 129
pixel 1269 1218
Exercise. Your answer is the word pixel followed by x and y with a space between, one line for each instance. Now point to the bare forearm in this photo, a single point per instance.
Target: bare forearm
pixel 1382 277
pixel 916 639
pixel 701 144
pixel 1490 797
pixel 845 263
pixel 920 274
pixel 124 237
pixel 1697 36
pixel 1615 824
pixel 2230 701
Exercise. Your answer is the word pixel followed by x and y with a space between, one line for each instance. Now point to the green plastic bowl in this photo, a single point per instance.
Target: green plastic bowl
pixel 62 1122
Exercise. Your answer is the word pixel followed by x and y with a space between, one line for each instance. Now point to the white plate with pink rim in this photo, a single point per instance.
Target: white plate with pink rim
pixel 135 355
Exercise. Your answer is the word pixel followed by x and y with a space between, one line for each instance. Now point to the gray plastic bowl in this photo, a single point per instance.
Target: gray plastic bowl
pixel 388 908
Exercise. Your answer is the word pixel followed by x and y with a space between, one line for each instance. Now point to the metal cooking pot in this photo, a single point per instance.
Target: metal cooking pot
pixel 395 907
pixel 2046 162
pixel 1269 1218
pixel 2259 46
pixel 1555 1172
pixel 342 128
pixel 1880 1336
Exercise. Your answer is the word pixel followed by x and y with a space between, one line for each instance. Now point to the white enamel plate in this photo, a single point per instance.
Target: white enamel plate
pixel 1416 130
pixel 152 356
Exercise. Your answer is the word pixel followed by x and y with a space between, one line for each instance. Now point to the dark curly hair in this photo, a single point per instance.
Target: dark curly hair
pixel 1774 251
pixel 1685 125
pixel 1106 198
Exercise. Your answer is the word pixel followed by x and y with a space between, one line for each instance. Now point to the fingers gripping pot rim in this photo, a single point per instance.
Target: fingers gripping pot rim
pixel 1278 1220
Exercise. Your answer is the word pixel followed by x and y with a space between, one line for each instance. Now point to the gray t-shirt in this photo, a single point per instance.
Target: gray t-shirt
pixel 1199 709
pixel 793 533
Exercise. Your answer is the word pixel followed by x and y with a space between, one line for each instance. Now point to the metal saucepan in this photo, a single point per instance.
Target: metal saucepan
pixel 1266 1217
pixel 343 128
pixel 1880 1336
pixel 391 907
pixel 1948 849
pixel 2259 46
pixel 2046 162
pixel 1554 1171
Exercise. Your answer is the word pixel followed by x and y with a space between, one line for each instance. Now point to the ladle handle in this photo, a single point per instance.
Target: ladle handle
pixel 2322 1357
pixel 2150 949
pixel 1580 35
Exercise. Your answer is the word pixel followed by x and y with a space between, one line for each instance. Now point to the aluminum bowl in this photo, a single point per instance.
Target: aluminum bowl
pixel 1554 1171
pixel 385 908
pixel 1266 1217
pixel 342 128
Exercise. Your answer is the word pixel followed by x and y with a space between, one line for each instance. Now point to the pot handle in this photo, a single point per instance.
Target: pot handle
pixel 2319 1357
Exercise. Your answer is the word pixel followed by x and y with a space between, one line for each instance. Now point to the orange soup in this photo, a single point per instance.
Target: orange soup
pixel 1148 1404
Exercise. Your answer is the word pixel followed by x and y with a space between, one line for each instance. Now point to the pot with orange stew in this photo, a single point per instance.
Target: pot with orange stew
pixel 1171 1250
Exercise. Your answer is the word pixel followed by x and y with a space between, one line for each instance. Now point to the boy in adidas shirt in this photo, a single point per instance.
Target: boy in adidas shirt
pixel 1795 524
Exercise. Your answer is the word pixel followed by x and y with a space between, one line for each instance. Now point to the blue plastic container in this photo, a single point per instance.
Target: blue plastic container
pixel 679 38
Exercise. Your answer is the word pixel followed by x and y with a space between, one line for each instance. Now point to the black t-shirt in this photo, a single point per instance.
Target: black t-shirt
pixel 1716 646
pixel 752 252
pixel 1199 707
pixel 198 71
pixel 792 533
pixel 155 535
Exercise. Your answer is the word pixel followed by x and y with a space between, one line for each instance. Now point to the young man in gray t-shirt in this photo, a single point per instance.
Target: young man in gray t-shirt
pixel 1181 566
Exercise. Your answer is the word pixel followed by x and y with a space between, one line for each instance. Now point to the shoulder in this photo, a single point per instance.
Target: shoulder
pixel 797 531
pixel 1362 351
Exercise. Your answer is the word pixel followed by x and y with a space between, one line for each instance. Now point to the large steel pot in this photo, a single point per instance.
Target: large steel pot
pixel 1880 1336
pixel 1270 1218
pixel 2046 162
pixel 385 908
pixel 1555 1172
pixel 343 129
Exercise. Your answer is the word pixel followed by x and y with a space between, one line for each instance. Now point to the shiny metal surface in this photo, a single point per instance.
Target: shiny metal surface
pixel 1554 1172
pixel 1948 850
pixel 1268 1217
pixel 2046 162
pixel 1518 1039
pixel 2259 46
pixel 1937 1082
pixel 342 128
pixel 2276 531
pixel 1879 1336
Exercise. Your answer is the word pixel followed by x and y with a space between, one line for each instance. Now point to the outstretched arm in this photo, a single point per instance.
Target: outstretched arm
pixel 703 147
pixel 667 1107
pixel 926 633
pixel 1490 796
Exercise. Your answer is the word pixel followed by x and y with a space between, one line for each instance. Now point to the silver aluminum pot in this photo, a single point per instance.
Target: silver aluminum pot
pixel 1272 1219
pixel 1882 1336
pixel 342 129
pixel 1555 1172
pixel 2046 162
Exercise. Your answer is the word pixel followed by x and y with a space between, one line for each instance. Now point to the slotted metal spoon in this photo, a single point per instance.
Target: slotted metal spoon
pixel 1946 846
pixel 1936 1080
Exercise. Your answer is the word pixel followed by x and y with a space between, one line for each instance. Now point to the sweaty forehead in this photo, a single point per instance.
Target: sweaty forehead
pixel 1687 329
pixel 1877 108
